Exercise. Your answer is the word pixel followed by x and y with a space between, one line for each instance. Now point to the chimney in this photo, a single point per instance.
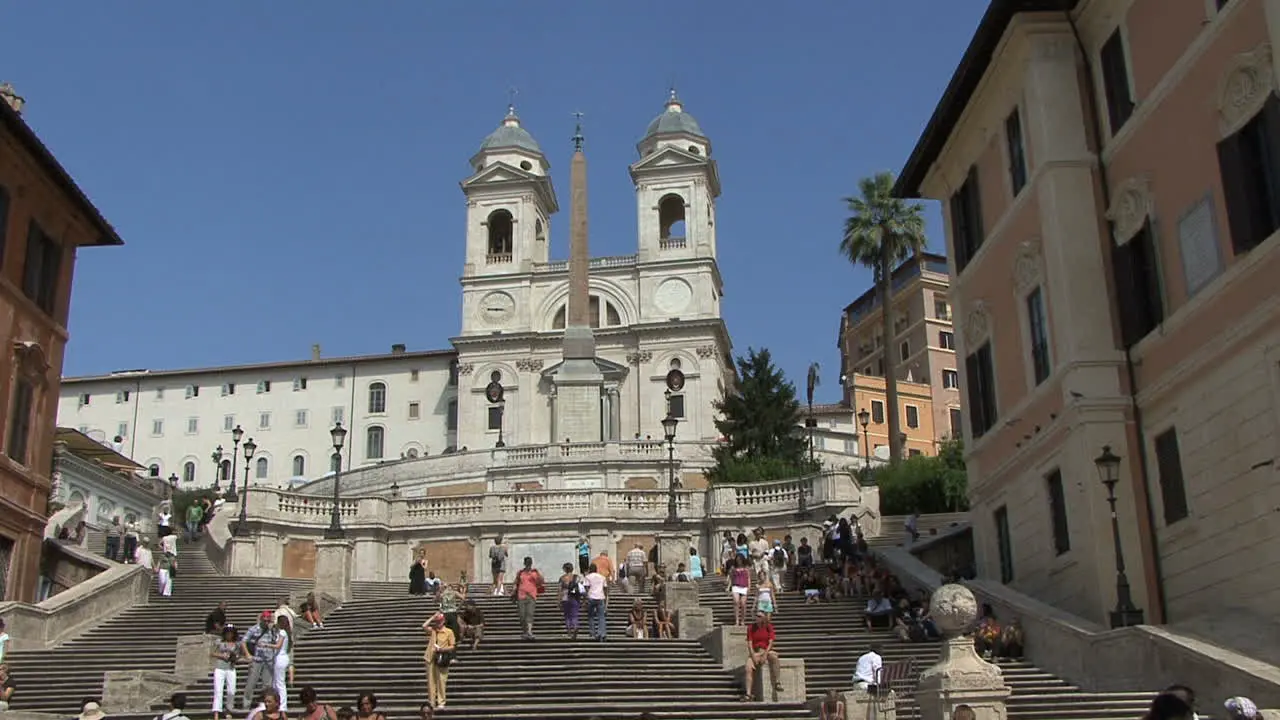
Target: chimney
pixel 397 349
pixel 315 352
pixel 11 96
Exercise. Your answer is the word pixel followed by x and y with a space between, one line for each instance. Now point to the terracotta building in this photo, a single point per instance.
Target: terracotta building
pixel 1110 174
pixel 44 217
pixel 924 342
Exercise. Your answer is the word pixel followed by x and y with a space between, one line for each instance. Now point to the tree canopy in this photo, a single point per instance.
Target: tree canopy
pixel 926 484
pixel 760 425
pixel 881 232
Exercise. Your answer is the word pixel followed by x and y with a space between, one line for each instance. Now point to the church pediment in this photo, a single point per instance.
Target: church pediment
pixel 499 172
pixel 611 371
pixel 668 157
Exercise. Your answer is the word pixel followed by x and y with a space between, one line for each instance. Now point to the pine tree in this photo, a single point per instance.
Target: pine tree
pixel 760 424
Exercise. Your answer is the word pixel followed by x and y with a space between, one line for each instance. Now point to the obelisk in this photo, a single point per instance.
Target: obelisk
pixel 578 380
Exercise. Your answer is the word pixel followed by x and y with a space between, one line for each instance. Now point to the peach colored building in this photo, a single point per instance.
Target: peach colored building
pixel 44 218
pixel 924 342
pixel 1110 175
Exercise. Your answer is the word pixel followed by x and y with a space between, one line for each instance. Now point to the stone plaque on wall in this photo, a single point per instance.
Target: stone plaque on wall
pixel 547 557
pixel 1198 242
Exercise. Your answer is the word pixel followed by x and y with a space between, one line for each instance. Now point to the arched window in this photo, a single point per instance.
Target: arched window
pixel 261 468
pixel 602 313
pixel 558 323
pixel 335 462
pixel 500 236
pixel 299 466
pixel 188 472
pixel 611 317
pixel 225 471
pixel 671 218
pixel 539 233
pixel 154 471
pixel 377 398
pixel 451 416
pixel 373 441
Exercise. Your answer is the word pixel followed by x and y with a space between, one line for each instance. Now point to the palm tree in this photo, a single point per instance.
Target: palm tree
pixel 881 232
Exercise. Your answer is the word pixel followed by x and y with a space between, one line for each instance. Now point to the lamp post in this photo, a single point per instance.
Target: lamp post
pixel 173 483
pixel 217 469
pixel 236 435
pixel 242 524
pixel 339 436
pixel 502 421
pixel 864 419
pixel 669 424
pixel 1125 614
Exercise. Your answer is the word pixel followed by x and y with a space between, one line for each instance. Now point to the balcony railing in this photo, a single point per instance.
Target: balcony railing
pixel 671 243
pixel 497 258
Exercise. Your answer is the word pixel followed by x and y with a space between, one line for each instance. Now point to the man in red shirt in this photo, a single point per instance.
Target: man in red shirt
pixel 760 637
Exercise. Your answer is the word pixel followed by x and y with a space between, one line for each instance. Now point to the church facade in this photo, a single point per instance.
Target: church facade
pixel 658 344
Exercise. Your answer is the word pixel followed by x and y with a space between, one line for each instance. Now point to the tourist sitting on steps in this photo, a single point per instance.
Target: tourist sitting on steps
pixel 664 621
pixel 866 672
pixel 91 710
pixel 1168 706
pixel 760 639
pixel 879 611
pixel 6 687
pixel 433 585
pixel 311 612
pixel 312 709
pixel 637 620
pixel 471 623
pixel 269 708
pixel 366 708
pixel 177 708
pixel 986 635
pixel 832 707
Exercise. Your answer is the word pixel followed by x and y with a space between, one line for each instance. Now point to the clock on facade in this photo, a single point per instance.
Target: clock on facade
pixel 672 296
pixel 496 308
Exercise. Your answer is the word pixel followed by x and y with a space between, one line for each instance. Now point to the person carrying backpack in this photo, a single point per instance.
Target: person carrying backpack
pixel 572 592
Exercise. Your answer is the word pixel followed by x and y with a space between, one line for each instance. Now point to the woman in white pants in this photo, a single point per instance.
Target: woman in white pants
pixel 225 654
pixel 284 649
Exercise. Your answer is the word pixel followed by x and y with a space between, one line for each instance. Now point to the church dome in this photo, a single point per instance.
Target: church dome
pixel 510 135
pixel 674 120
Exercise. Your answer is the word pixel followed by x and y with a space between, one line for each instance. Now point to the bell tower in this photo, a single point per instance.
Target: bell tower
pixel 510 201
pixel 677 184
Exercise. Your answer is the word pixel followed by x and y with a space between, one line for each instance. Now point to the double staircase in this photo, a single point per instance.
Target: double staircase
pixel 375 643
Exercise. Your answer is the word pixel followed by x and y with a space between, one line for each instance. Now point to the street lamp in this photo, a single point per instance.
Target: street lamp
pixel 173 483
pixel 339 436
pixel 502 420
pixel 1125 614
pixel 669 424
pixel 217 469
pixel 864 419
pixel 236 435
pixel 249 447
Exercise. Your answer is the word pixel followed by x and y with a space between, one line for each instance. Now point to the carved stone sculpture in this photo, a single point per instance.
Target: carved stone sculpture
pixel 960 676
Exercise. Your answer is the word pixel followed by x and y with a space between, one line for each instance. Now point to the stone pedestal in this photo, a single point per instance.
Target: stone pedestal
pixel 790 677
pixel 693 622
pixel 728 644
pixel 333 568
pixel 193 656
pixel 960 676
pixel 858 705
pixel 673 549
pixel 137 691
pixel 681 595
pixel 242 556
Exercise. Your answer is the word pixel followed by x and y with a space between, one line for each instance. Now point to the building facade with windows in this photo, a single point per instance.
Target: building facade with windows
pixel 44 219
pixel 1109 178
pixel 924 343
pixel 652 312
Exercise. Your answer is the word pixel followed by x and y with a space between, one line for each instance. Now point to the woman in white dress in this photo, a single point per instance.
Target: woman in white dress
pixel 284 649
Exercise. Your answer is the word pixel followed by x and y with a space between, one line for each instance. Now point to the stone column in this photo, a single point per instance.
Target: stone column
pixel 960 676
pixel 333 568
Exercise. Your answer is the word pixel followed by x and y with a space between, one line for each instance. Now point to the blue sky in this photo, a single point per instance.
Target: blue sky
pixel 286 173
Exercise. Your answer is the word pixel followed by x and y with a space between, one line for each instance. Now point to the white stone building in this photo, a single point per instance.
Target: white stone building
pixel 652 312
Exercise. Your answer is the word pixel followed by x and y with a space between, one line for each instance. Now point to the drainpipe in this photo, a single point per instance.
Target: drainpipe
pixel 1144 468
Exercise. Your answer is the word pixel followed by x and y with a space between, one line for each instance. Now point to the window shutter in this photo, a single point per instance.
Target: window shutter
pixel 1235 191
pixel 1271 131
pixel 1123 269
pixel 977 421
pixel 974 211
pixel 959 229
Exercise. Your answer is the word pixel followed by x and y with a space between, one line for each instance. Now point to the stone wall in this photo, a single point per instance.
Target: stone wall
pixel 299 559
pixel 475 487
pixel 449 559
pixel 68 614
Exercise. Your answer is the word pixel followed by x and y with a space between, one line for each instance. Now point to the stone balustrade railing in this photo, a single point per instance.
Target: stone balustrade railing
pixel 831 489
pixel 511 465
